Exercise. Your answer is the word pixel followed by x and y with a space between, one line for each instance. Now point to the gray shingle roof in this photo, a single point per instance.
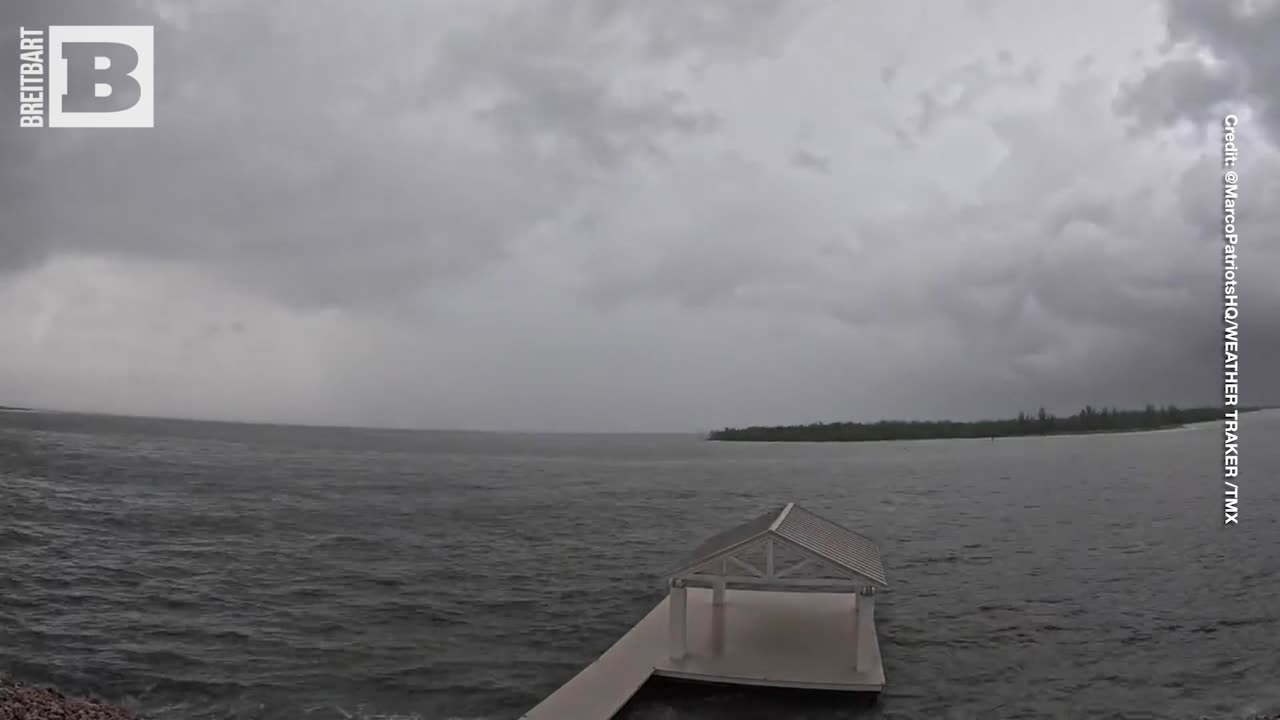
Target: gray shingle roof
pixel 806 530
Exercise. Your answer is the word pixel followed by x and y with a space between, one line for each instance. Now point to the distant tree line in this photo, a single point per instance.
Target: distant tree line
pixel 1088 420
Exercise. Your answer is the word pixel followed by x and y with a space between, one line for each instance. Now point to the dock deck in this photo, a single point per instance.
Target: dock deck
pixel 779 639
pixel 800 640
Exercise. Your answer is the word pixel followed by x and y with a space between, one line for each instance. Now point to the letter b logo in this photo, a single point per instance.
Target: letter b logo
pixel 101 76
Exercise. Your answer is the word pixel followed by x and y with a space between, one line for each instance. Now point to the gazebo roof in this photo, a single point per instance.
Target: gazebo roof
pixel 806 531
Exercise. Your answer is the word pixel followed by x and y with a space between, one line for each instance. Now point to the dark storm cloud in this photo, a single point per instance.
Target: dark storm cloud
pixel 564 214
pixel 22 158
pixel 1241 37
pixel 1243 78
pixel 325 155
pixel 1071 285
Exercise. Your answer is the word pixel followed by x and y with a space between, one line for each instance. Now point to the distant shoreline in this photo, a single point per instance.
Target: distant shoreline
pixel 1089 421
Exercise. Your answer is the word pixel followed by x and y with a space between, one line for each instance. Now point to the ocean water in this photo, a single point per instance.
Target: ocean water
pixel 203 570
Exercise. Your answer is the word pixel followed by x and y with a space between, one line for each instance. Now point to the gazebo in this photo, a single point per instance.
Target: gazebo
pixel 791 603
pixel 784 600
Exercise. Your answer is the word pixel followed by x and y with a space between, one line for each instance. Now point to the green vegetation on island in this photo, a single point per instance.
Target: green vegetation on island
pixel 1088 420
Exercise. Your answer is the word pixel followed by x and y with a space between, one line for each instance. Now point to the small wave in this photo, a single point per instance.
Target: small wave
pixel 363 713
pixel 17 536
pixel 948 559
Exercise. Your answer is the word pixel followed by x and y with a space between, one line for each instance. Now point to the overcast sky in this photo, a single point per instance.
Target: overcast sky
pixel 565 215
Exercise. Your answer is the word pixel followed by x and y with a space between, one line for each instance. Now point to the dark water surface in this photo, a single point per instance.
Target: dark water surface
pixel 203 570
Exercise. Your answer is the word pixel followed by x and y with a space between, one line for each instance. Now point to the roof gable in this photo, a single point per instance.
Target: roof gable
pixel 807 531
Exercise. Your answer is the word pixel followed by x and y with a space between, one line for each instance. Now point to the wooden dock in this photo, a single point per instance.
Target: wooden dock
pixel 800 615
pixel 604 686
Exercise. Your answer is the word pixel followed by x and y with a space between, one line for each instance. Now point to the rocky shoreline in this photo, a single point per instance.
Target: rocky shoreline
pixel 25 702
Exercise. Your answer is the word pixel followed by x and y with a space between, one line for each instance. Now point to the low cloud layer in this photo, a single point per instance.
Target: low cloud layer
pixel 657 216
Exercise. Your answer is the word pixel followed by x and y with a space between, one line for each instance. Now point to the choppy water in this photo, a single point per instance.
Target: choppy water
pixel 200 570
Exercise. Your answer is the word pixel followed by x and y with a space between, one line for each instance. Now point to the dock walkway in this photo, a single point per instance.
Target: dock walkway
pixel 604 686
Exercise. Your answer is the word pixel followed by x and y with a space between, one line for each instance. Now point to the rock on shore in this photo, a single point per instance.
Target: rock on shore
pixel 23 702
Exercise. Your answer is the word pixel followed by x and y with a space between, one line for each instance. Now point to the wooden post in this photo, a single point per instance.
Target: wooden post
pixel 717 591
pixel 678 619
pixel 857 620
pixel 866 629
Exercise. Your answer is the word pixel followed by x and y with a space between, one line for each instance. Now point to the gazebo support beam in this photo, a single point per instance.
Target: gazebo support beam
pixel 787 583
pixel 864 627
pixel 678 620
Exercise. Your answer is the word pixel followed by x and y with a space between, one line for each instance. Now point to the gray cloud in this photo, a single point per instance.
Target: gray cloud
pixel 569 215
pixel 811 161
pixel 958 91
pixel 1239 36
pixel 325 172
